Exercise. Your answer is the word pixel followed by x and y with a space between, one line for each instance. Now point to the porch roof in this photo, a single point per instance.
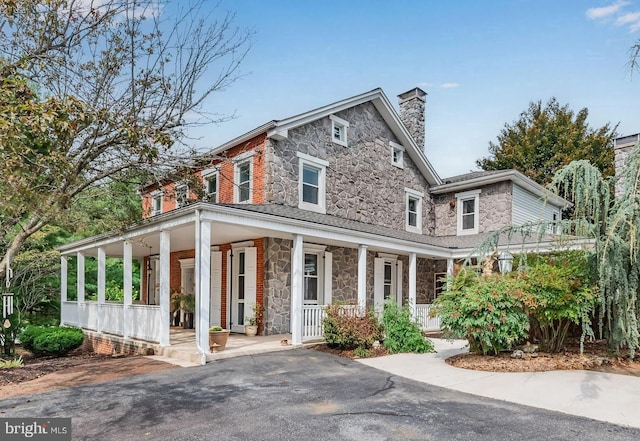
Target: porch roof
pixel 239 222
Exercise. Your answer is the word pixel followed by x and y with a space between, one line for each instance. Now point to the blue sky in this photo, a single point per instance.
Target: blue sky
pixel 481 62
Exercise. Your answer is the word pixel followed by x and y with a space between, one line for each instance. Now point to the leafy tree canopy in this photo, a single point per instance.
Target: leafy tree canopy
pixel 546 138
pixel 91 91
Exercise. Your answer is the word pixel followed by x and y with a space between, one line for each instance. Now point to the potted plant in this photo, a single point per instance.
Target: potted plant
pixel 253 320
pixel 218 338
pixel 175 303
pixel 188 305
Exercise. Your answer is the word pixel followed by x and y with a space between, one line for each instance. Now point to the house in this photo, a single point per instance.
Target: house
pixel 337 204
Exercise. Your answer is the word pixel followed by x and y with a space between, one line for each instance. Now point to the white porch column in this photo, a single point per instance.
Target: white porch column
pixel 63 288
pixel 101 285
pixel 412 283
pixel 165 251
pixel 449 271
pixel 362 277
pixel 297 258
pixel 80 278
pixel 202 272
pixel 63 278
pixel 127 278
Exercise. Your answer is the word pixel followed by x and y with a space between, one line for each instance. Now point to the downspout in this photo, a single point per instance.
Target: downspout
pixel 199 349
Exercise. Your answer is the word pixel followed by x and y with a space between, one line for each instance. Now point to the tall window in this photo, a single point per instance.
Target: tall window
pixel 182 195
pixel 211 187
pixel 339 130
pixel 312 182
pixel 156 203
pixel 388 282
pixel 243 182
pixel 241 286
pixel 467 204
pixel 311 278
pixel 414 210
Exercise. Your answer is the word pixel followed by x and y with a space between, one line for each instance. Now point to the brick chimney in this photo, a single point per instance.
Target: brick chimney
pixel 412 105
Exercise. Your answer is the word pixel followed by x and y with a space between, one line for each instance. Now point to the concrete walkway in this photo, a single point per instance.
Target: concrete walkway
pixel 606 397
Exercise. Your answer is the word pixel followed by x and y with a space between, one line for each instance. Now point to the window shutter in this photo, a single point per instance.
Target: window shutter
pixel 378 283
pixel 215 311
pixel 250 271
pixel 399 282
pixel 328 275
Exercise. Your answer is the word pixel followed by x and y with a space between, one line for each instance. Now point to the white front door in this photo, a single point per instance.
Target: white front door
pixel 387 281
pixel 243 286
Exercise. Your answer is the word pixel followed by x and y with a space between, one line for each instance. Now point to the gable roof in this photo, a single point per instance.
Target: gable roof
pixel 480 178
pixel 278 129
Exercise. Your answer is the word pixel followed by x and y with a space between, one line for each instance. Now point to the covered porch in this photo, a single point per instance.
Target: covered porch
pixel 205 229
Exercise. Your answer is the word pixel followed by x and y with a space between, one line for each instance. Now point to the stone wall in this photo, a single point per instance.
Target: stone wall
pixel 277 286
pixel 344 274
pixel 495 204
pixel 360 178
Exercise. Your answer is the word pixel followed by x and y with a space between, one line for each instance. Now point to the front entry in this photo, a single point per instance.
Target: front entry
pixel 242 264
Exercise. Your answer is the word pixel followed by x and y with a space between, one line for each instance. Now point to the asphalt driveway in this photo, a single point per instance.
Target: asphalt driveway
pixel 295 395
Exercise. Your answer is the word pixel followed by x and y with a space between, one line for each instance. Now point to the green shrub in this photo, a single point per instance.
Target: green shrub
pixel 29 334
pixel 402 333
pixel 345 331
pixel 56 341
pixel 361 353
pixel 11 364
pixel 488 310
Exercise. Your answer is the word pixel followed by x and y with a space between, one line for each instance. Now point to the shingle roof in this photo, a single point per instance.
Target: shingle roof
pixel 471 175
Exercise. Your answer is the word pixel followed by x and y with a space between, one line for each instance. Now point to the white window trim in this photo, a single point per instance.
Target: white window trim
pixel 460 198
pixel 179 188
pixel 321 164
pixel 410 193
pixel 394 147
pixel 238 161
pixel 154 195
pixel 339 122
pixel 206 175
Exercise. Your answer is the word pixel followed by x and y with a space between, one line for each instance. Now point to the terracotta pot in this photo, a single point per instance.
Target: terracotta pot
pixel 218 340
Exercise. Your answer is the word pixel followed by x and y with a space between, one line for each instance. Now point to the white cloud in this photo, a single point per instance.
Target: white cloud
pixel 632 17
pixel 449 85
pixel 605 11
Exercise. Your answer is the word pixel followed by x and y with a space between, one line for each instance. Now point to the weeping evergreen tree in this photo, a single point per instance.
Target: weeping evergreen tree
pixel 614 225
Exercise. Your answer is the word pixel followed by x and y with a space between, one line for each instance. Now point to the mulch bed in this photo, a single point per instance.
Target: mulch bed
pixel 36 367
pixel 348 353
pixel 596 357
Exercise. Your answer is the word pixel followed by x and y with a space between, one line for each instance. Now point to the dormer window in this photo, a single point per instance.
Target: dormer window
pixel 339 130
pixel 397 154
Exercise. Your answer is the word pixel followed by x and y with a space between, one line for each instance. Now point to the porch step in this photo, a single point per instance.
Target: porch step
pixel 176 353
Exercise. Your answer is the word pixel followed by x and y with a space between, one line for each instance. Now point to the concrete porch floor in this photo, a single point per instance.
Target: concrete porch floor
pixel 183 346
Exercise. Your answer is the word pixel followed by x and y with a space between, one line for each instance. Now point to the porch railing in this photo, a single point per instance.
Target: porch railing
pixel 423 316
pixel 144 320
pixel 313 319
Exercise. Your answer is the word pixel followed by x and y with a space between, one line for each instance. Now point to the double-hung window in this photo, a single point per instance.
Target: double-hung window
pixel 312 183
pixel 413 202
pixel 243 179
pixel 468 209
pixel 317 274
pixel 156 203
pixel 210 181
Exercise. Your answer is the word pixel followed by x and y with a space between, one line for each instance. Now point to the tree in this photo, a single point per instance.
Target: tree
pixel 546 138
pixel 90 90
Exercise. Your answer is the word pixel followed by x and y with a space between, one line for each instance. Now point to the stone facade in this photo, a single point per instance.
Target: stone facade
pixel 620 161
pixel 495 204
pixel 360 178
pixel 412 105
pixel 344 275
pixel 277 286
